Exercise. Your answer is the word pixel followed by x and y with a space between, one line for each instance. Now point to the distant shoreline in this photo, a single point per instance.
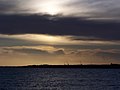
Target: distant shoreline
pixel 94 66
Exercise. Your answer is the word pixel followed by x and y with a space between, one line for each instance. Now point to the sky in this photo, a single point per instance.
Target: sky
pixel 59 32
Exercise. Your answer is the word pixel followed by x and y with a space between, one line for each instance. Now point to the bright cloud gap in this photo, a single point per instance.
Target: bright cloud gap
pixel 59 40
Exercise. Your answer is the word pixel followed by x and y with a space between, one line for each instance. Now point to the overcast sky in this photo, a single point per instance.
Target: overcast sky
pixel 57 32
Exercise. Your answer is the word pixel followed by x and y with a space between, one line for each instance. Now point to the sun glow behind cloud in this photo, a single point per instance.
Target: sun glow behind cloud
pixel 43 38
pixel 48 7
pixel 90 9
pixel 52 7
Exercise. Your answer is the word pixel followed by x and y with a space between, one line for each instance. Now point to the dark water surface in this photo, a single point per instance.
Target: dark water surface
pixel 59 79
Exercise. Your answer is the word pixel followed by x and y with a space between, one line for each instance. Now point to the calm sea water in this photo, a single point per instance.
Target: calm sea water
pixel 59 79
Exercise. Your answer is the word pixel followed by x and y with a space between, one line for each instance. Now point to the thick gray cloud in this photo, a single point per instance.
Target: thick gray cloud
pixel 7 6
pixel 59 52
pixel 29 51
pixel 15 42
pixel 97 9
pixel 101 54
pixel 106 12
pixel 42 24
pixel 92 9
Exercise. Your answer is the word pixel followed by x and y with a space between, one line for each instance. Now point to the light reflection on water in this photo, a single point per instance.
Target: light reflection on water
pixel 59 79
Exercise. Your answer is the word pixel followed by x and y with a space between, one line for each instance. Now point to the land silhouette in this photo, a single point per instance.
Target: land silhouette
pixel 88 66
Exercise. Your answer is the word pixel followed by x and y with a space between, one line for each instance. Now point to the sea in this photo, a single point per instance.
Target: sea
pixel 59 79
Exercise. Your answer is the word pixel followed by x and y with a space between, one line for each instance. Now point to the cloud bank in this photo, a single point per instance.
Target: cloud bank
pixel 17 24
pixel 92 9
pixel 56 32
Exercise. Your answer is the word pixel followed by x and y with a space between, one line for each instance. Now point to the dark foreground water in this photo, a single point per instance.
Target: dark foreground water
pixel 59 79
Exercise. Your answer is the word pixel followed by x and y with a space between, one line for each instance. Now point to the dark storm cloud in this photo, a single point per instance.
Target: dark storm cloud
pixel 56 25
